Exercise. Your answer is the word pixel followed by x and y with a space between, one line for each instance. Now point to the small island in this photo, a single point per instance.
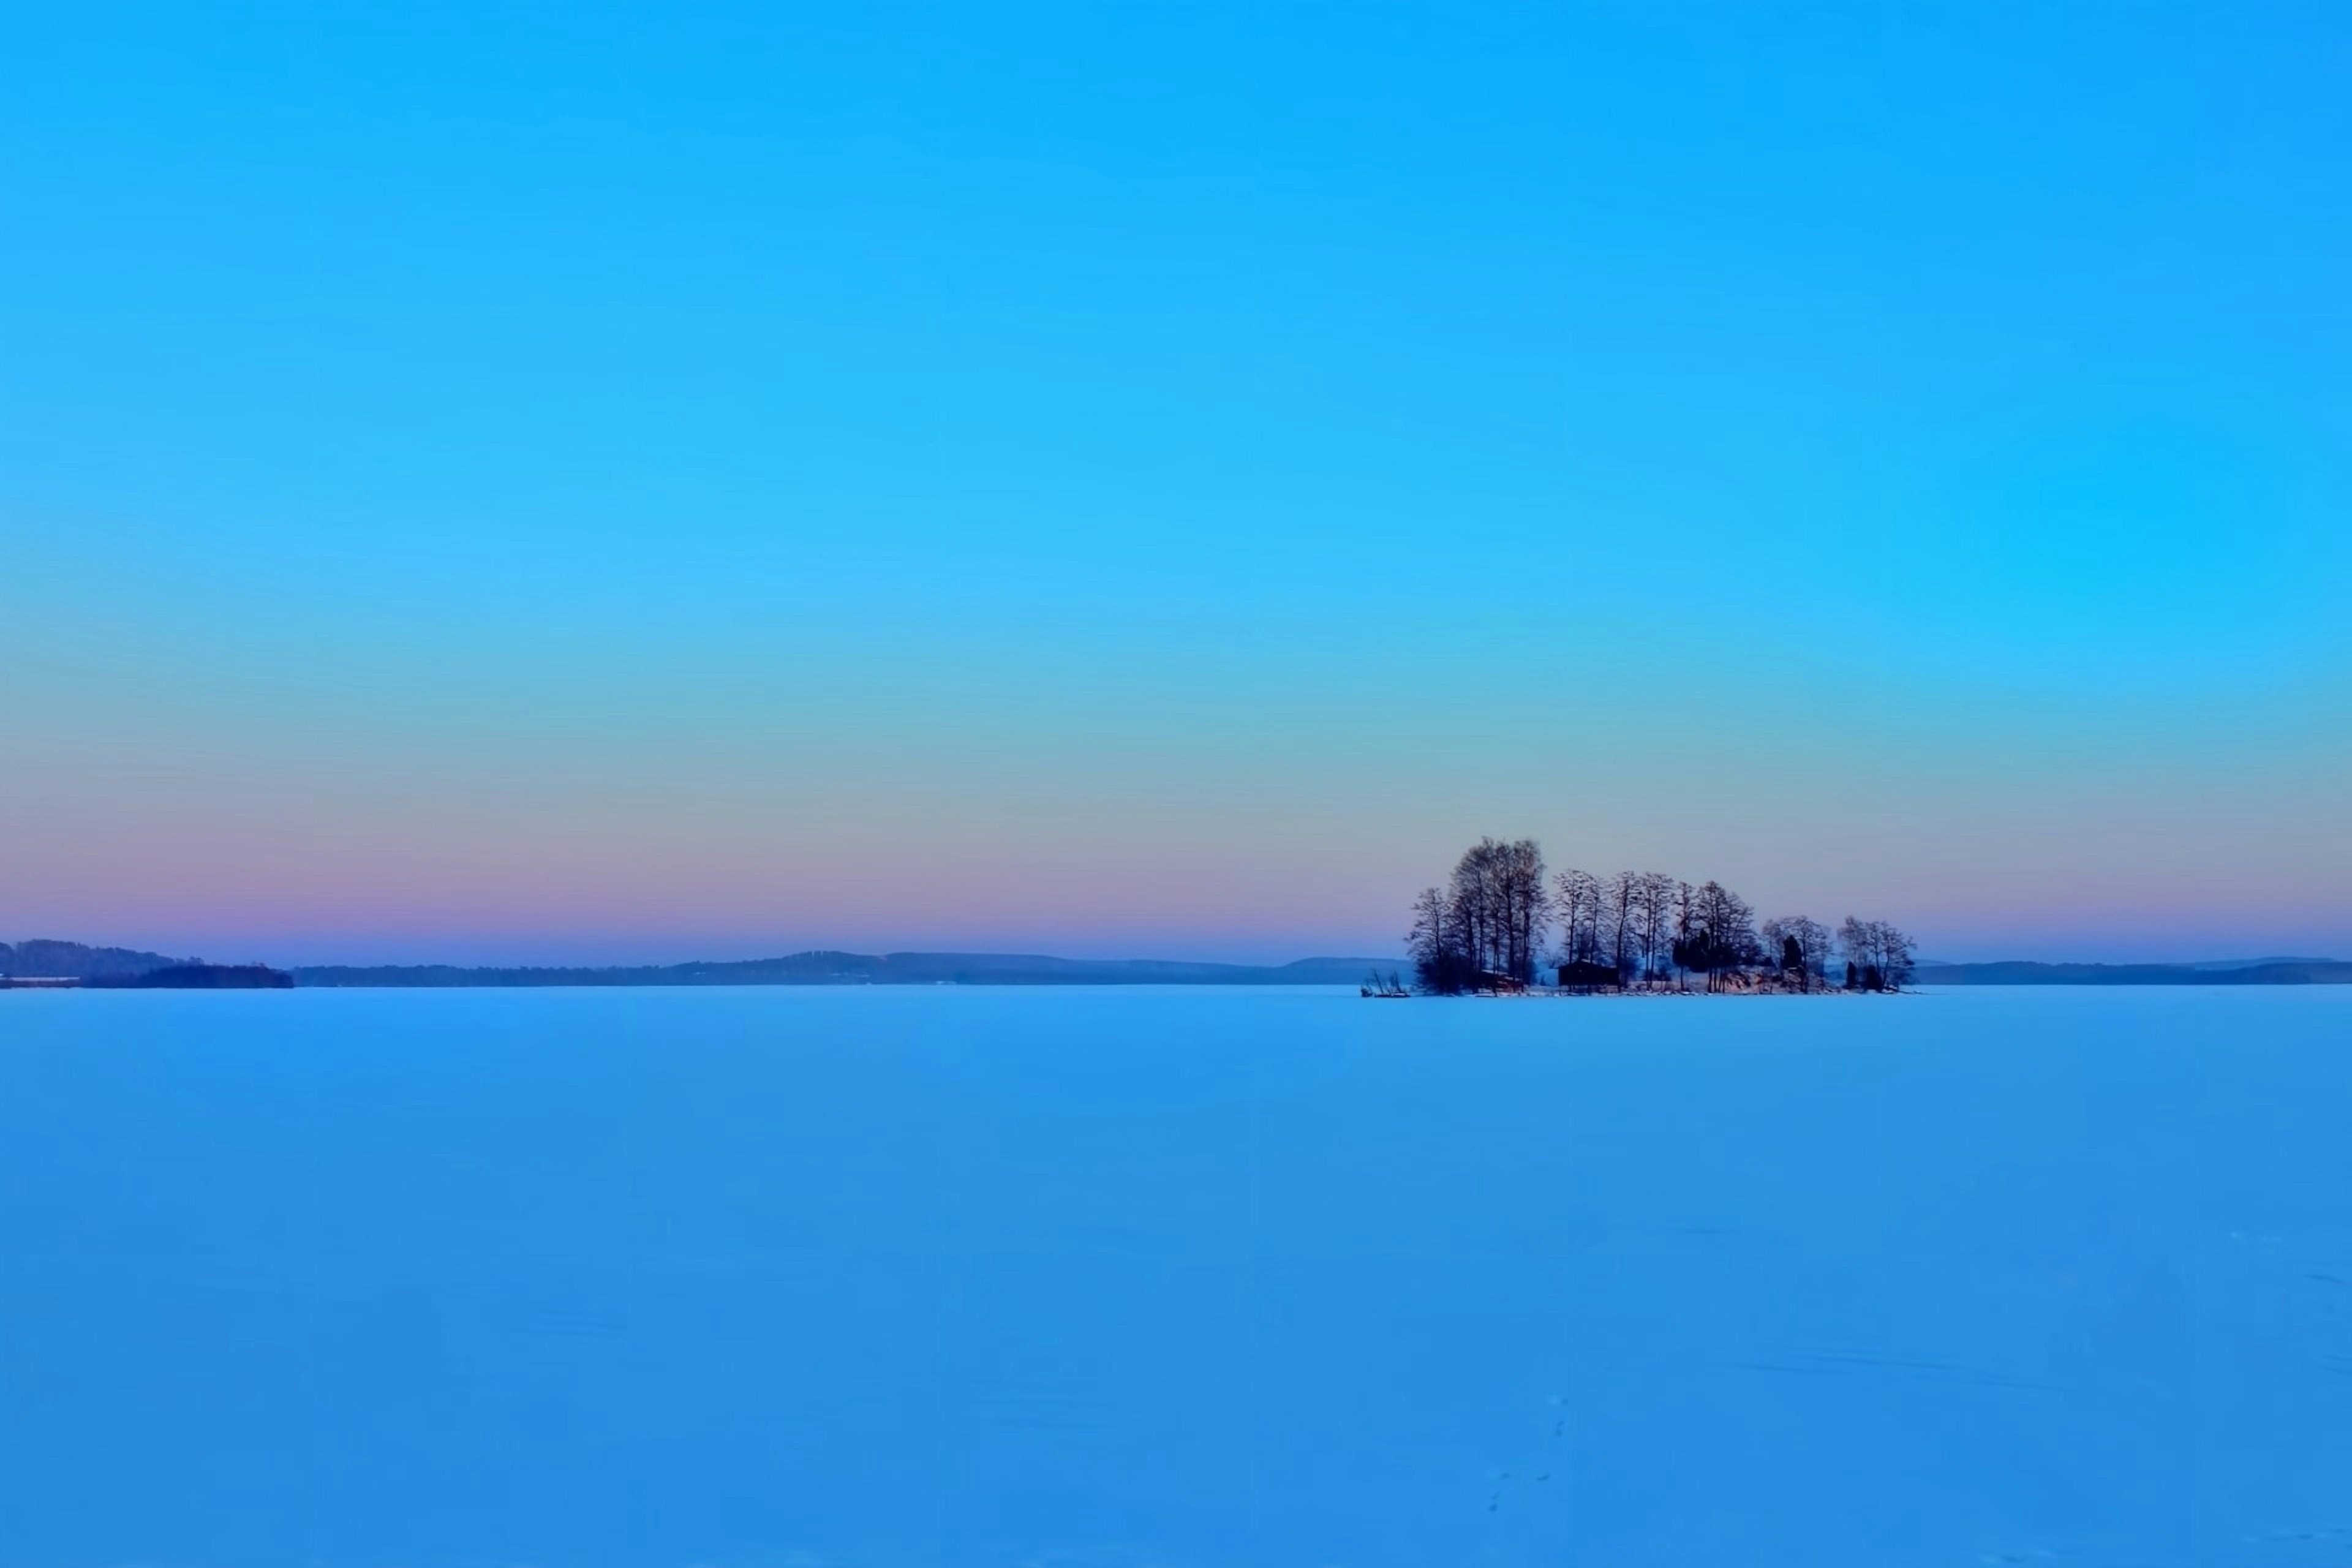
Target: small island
pixel 1487 932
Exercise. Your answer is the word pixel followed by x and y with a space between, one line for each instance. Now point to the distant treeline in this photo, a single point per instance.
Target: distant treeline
pixel 198 977
pixel 2270 972
pixel 828 968
pixel 77 960
pixel 1491 927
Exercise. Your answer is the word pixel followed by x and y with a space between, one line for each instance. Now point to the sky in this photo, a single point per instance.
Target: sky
pixel 571 483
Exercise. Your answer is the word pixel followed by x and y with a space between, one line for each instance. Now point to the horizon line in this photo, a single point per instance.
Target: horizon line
pixel 1032 955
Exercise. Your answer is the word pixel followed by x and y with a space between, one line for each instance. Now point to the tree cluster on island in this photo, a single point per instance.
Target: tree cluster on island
pixel 1488 928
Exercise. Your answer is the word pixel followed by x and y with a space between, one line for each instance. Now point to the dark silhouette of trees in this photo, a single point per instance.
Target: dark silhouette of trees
pixel 1721 934
pixel 1526 908
pixel 1440 957
pixel 1686 926
pixel 1499 889
pixel 1899 955
pixel 1654 906
pixel 1620 929
pixel 1613 923
pixel 1857 942
pixel 1804 948
pixel 1485 931
pixel 199 977
pixel 1576 897
pixel 1486 926
pixel 1878 956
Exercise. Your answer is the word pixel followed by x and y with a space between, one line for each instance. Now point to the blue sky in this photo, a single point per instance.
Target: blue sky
pixel 556 483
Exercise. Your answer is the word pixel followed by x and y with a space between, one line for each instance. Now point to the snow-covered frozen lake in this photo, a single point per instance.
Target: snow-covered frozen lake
pixel 1174 1278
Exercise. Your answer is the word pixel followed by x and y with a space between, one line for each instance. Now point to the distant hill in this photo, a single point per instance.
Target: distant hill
pixel 73 961
pixel 2262 972
pixel 874 969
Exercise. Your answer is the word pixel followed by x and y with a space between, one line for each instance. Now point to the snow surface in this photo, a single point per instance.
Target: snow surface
pixel 817 1279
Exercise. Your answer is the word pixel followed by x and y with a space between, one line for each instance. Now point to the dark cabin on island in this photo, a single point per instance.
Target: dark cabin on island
pixel 1582 976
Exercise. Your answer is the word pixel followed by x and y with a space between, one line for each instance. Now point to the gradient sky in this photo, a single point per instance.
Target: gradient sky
pixel 513 483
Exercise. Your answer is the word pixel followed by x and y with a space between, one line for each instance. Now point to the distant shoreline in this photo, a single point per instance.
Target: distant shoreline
pixel 2294 971
pixel 46 964
pixel 58 964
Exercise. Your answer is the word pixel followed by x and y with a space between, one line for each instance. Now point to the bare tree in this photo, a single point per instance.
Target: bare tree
pixel 1526 908
pixel 1439 967
pixel 1723 934
pixel 1654 904
pixel 1878 955
pixel 1462 920
pixel 1620 926
pixel 1685 925
pixel 1803 946
pixel 1477 895
pixel 1578 896
pixel 1494 912
pixel 1860 945
pixel 1897 954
